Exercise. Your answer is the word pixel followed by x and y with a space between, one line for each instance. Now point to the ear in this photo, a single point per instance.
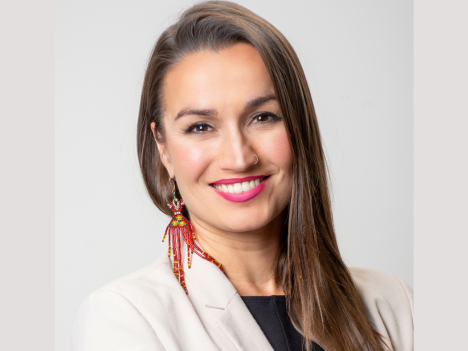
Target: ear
pixel 165 159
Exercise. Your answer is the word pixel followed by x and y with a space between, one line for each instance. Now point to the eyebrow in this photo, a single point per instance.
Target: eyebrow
pixel 212 112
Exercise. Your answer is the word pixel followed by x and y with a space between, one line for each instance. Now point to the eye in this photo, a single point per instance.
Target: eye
pixel 265 117
pixel 198 128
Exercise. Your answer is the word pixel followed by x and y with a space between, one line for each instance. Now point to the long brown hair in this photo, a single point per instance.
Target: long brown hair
pixel 322 299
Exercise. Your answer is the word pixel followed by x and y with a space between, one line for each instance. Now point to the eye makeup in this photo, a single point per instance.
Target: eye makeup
pixel 274 117
pixel 197 128
pixel 203 127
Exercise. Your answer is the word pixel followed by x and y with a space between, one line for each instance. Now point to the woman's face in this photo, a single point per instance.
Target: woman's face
pixel 221 111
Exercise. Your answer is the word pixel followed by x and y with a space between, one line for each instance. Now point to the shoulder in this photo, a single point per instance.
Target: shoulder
pixel 376 285
pixel 115 316
pixel 155 281
pixel 388 300
pixel 155 274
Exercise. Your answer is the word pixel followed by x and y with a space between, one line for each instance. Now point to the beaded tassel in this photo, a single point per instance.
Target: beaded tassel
pixel 181 227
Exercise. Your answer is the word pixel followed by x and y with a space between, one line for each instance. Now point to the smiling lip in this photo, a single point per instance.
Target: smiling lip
pixel 244 196
pixel 237 180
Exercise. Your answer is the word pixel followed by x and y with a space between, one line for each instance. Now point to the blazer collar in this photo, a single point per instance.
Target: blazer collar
pixel 216 292
pixel 212 285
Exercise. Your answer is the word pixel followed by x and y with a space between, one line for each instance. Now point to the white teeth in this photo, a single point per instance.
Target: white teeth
pixel 238 187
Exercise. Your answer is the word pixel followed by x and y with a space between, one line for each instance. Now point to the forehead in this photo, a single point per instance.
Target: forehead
pixel 223 79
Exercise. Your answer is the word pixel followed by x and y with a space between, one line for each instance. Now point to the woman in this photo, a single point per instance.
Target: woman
pixel 228 138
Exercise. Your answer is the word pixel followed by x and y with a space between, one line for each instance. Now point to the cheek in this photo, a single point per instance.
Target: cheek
pixel 278 151
pixel 189 161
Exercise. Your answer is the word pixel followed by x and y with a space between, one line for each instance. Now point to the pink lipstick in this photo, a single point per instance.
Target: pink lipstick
pixel 238 180
pixel 254 188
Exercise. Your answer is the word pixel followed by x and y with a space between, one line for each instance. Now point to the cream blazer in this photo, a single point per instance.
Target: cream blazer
pixel 149 311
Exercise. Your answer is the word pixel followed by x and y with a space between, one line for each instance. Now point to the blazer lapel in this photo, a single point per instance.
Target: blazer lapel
pixel 241 328
pixel 221 307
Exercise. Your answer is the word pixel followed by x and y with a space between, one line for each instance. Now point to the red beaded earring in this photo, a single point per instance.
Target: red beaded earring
pixel 181 227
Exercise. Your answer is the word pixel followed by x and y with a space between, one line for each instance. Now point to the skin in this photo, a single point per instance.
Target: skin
pixel 243 236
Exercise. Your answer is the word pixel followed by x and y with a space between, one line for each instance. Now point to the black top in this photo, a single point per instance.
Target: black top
pixel 271 315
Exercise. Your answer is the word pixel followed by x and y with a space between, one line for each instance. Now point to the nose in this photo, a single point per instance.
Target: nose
pixel 236 152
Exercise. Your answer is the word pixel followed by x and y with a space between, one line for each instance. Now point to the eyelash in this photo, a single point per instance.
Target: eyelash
pixel 190 129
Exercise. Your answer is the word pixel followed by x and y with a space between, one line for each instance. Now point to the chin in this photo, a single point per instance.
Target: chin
pixel 243 227
pixel 245 224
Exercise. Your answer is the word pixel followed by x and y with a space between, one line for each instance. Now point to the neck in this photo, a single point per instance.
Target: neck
pixel 248 258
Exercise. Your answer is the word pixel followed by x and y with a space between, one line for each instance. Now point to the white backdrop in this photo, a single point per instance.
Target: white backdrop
pixel 357 56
